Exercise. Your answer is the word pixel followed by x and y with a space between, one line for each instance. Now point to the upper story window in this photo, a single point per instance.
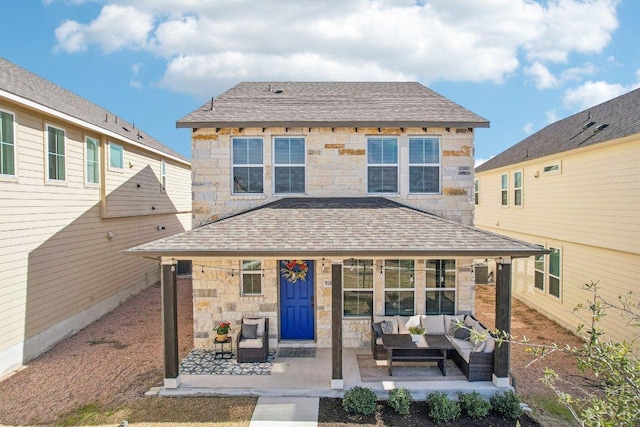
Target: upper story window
pixel 163 175
pixel 56 167
pixel 248 165
pixel 93 160
pixel 424 165
pixel 116 156
pixel 357 283
pixel 251 277
pixel 382 165
pixel 7 144
pixel 289 165
pixel 399 293
pixel 441 286
pixel 517 188
pixel 476 191
pixel 505 189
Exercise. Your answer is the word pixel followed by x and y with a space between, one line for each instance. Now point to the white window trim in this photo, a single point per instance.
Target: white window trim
pixel 385 289
pixel 543 271
pixel 559 277
pixel 476 191
pixel 552 172
pixel 521 188
pixel 46 154
pixel 87 183
pixel 503 190
pixel 252 272
pixel 397 165
pixel 14 176
pixel 372 289
pixel 439 164
pixel 163 176
pixel 260 165
pixel 113 168
pixel 455 282
pixel 273 156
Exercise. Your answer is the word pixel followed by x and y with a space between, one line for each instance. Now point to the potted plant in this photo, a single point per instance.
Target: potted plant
pixel 222 330
pixel 416 332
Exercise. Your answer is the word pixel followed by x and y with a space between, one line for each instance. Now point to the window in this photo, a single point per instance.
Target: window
pixel 554 272
pixel 517 189
pixel 55 154
pixel 251 277
pixel 7 144
pixel 247 165
pixel 289 164
pixel 382 165
pixel 116 156
pixel 424 165
pixel 398 288
pixel 539 268
pixel 163 175
pixel 505 190
pixel 357 283
pixel 93 160
pixel 550 169
pixel 476 191
pixel 441 286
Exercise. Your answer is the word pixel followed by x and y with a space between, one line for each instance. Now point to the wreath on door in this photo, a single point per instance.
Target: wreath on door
pixel 294 269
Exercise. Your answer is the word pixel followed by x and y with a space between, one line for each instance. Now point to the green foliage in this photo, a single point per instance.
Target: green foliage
pixel 474 405
pixel 400 400
pixel 506 404
pixel 441 408
pixel 359 400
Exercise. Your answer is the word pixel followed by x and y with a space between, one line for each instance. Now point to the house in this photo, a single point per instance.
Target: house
pixel 573 188
pixel 360 194
pixel 78 186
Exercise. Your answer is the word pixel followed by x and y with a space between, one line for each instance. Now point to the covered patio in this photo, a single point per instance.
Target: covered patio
pixel 328 232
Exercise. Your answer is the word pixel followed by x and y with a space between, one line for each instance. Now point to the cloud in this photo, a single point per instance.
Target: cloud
pixel 592 93
pixel 528 128
pixel 551 116
pixel 430 40
pixel 115 28
pixel 478 162
pixel 135 84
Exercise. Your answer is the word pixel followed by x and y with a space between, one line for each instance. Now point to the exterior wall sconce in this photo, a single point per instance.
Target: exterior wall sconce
pixel 160 227
pixel 110 235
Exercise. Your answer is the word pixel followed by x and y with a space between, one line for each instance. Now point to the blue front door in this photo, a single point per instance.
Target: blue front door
pixel 296 300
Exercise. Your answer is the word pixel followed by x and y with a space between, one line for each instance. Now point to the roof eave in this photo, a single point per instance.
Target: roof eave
pixel 368 123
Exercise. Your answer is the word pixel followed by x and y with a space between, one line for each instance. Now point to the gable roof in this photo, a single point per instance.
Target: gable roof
pixel 370 226
pixel 616 118
pixel 15 80
pixel 331 104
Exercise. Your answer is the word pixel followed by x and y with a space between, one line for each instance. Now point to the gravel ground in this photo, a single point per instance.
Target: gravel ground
pixel 112 361
pixel 119 357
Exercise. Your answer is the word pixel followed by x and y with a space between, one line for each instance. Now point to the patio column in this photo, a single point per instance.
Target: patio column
pixel 503 321
pixel 170 323
pixel 337 382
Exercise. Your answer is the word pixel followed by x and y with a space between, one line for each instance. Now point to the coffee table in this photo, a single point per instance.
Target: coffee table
pixel 431 347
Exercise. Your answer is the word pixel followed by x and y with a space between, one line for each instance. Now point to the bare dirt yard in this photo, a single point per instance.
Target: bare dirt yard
pixel 107 367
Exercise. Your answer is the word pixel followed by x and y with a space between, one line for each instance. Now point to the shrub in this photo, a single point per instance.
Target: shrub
pixel 506 404
pixel 400 400
pixel 474 405
pixel 441 408
pixel 359 400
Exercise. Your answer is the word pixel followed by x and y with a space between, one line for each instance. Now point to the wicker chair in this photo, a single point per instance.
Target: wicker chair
pixel 253 349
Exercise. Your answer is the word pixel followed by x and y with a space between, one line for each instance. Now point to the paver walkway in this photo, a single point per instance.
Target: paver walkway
pixel 286 411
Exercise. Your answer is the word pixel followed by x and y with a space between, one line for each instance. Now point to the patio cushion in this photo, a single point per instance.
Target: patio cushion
pixel 465 354
pixel 250 343
pixel 450 322
pixel 249 331
pixel 405 322
pixel 387 327
pixel 462 334
pixel 379 341
pixel 462 344
pixel 259 322
pixel 470 321
pixel 377 329
pixel 490 345
pixel 434 324
pixel 392 319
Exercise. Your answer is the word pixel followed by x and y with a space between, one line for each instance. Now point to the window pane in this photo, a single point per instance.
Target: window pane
pixel 374 150
pixel 240 152
pixel 539 280
pixel 424 150
pixel 554 286
pixel 539 263
pixel 518 179
pixel 441 302
pixel 382 179
pixel 382 150
pixel 251 265
pixel 398 302
pixel 517 198
pixel 505 198
pixel 251 283
pixel 554 262
pixel 289 151
pixel 7 147
pixel 247 180
pixel 116 156
pixel 358 303
pixel 289 179
pixel 60 168
pixel 505 182
pixel 357 274
pixel 297 151
pixel 424 179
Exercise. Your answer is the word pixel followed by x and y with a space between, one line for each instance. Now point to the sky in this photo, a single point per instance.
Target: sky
pixel 521 64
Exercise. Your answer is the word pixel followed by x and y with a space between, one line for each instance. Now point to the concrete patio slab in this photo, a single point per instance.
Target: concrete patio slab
pixel 286 411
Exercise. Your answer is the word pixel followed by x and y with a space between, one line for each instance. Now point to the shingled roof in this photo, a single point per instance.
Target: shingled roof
pixel 331 104
pixel 616 118
pixel 372 226
pixel 27 85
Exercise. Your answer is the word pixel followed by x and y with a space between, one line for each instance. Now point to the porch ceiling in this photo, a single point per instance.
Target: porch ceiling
pixel 336 227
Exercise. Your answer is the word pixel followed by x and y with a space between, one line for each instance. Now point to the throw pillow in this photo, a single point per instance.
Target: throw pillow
pixel 462 334
pixel 453 327
pixel 490 345
pixel 387 327
pixel 249 332
pixel 377 329
pixel 479 345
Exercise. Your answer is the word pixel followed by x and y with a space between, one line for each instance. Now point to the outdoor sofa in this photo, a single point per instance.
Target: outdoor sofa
pixel 474 357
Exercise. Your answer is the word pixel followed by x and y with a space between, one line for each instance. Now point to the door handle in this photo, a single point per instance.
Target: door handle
pixel 312 304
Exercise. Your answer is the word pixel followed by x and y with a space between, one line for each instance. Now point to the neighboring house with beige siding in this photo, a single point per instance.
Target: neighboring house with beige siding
pixel 574 188
pixel 78 186
pixel 365 187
